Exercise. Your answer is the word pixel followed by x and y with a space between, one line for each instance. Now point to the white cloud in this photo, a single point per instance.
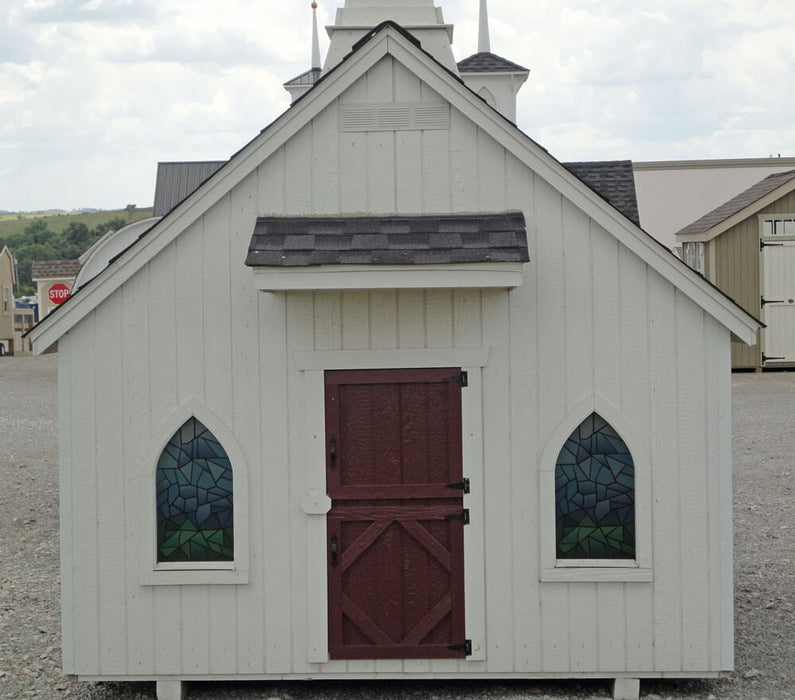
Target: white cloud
pixel 99 90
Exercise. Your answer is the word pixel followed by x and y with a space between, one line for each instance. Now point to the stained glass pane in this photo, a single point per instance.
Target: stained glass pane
pixel 595 494
pixel 194 498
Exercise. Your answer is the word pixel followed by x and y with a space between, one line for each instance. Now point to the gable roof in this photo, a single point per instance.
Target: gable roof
pixel 390 40
pixel 487 62
pixel 614 180
pixel 5 252
pixel 742 206
pixel 388 240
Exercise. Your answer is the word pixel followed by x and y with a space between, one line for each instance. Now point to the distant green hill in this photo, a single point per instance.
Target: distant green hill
pixel 14 223
pixel 58 236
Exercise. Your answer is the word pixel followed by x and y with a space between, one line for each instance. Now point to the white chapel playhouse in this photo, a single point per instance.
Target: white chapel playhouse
pixel 395 394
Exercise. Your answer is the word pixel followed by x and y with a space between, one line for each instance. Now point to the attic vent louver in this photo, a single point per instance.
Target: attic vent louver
pixel 395 117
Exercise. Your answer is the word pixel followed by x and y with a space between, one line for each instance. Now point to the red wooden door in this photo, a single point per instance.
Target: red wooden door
pixel 395 528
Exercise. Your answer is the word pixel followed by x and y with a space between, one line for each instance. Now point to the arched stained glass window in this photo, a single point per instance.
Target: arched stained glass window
pixel 595 494
pixel 194 498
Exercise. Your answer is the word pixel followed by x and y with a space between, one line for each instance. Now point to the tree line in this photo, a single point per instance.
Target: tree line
pixel 38 241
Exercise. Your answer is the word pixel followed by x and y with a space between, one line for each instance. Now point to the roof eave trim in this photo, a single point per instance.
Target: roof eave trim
pixel 442 276
pixel 494 73
pixel 712 164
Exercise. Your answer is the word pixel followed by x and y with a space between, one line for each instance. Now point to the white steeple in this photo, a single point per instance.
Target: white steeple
pixel 420 17
pixel 484 43
pixel 304 82
pixel 315 39
pixel 497 80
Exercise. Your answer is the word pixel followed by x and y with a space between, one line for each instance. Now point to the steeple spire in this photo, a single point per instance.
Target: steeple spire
pixel 315 40
pixel 484 43
pixel 304 82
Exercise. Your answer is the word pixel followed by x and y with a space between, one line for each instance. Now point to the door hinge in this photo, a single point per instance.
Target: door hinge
pixel 461 378
pixel 460 485
pixel 466 647
pixel 770 301
pixel 765 358
pixel 463 515
pixel 764 244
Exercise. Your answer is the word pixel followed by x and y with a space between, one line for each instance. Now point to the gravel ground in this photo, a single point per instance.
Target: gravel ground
pixel 764 451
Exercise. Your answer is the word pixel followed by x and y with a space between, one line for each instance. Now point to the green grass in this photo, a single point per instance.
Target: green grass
pixel 15 223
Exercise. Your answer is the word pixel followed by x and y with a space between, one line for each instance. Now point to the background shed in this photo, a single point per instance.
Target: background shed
pixel 746 247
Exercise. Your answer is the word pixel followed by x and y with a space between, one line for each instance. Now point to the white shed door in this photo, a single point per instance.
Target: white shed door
pixel 778 261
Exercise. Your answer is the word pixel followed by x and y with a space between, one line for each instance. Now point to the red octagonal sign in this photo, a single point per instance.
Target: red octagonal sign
pixel 58 293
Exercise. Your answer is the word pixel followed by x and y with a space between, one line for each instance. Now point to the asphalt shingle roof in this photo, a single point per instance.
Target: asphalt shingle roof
pixel 613 180
pixel 486 62
pixel 737 204
pixel 49 269
pixel 388 240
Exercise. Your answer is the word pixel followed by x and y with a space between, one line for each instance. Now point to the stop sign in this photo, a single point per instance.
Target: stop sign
pixel 58 293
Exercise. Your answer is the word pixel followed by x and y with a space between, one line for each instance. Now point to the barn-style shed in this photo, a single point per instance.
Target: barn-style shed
pixel 746 247
pixel 394 394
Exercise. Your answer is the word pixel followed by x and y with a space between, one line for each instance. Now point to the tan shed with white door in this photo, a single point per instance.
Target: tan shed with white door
pixel 744 247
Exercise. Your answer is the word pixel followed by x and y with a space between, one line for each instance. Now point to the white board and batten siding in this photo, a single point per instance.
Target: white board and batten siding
pixel 591 327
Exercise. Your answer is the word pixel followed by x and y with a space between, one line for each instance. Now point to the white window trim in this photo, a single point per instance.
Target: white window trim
pixel 154 573
pixel 693 253
pixel 596 570
pixel 316 504
pixel 774 217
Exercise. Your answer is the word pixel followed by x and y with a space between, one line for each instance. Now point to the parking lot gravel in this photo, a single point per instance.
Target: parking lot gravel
pixel 764 526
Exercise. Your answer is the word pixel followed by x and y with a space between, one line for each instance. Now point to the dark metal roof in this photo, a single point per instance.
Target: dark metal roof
pixel 49 269
pixel 486 62
pixel 737 204
pixel 388 240
pixel 613 180
pixel 175 181
pixel 309 77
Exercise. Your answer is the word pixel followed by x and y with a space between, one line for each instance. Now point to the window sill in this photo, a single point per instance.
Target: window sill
pixel 208 576
pixel 596 574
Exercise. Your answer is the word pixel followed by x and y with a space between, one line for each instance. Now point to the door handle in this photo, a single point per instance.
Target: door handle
pixel 334 550
pixel 332 452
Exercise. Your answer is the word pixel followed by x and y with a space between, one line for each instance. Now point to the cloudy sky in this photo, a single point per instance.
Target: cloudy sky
pixel 93 93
